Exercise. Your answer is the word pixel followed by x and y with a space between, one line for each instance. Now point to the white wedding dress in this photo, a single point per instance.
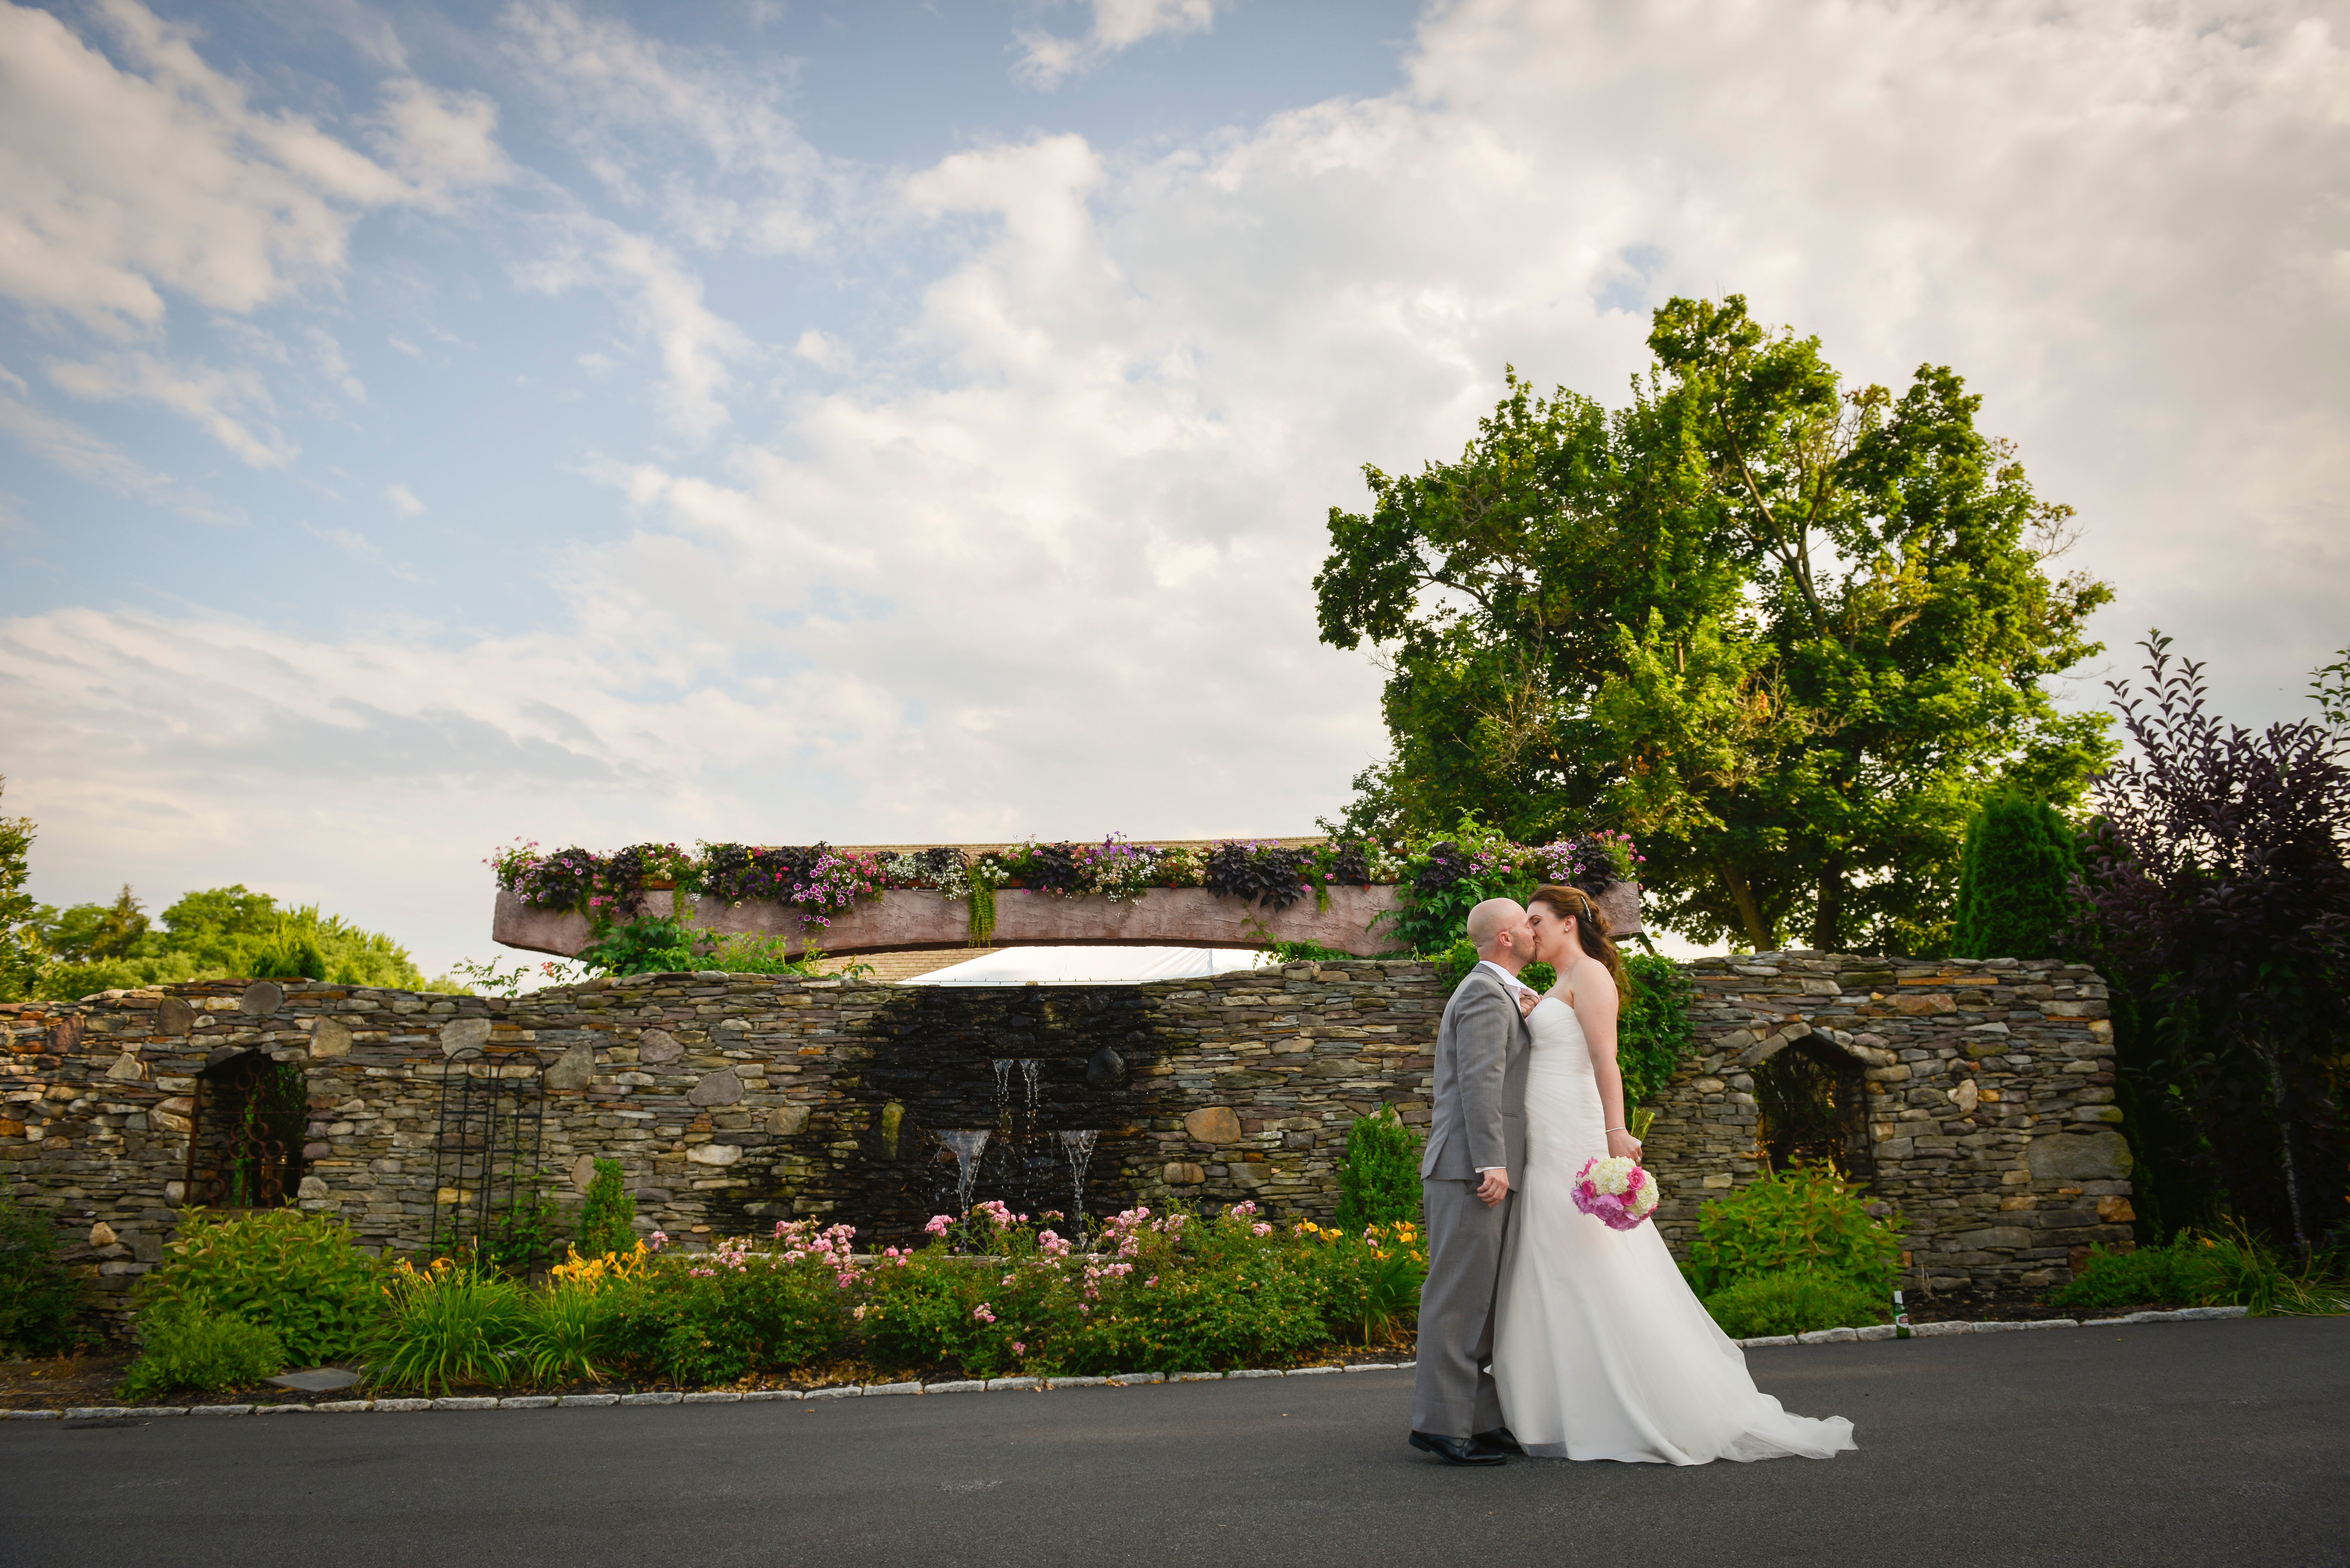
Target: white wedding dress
pixel 1600 1349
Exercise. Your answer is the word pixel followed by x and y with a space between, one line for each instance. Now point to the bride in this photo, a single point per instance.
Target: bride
pixel 1600 1350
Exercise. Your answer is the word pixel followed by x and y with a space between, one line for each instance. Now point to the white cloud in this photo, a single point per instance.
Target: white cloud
pixel 663 299
pixel 1051 58
pixel 221 401
pixel 636 109
pixel 825 351
pixel 403 499
pixel 86 455
pixel 338 367
pixel 118 183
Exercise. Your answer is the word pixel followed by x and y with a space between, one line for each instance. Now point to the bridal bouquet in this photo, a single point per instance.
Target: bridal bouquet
pixel 1615 1191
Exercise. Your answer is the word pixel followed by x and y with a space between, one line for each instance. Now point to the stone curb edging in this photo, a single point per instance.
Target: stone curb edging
pixel 1940 1330
pixel 1011 1385
pixel 578 1401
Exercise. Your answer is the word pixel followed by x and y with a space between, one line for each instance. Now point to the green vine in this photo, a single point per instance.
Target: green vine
pixel 982 913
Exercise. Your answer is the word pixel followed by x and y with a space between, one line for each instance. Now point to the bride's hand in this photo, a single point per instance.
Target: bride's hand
pixel 1622 1144
pixel 1527 1001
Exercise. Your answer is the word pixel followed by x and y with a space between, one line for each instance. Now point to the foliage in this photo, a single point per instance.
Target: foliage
pixel 1805 1217
pixel 2221 908
pixel 1653 1032
pixel 38 1298
pixel 1796 1301
pixel 1179 1293
pixel 741 1307
pixel 822 880
pixel 211 934
pixel 452 1323
pixel 524 1238
pixel 1257 874
pixel 2015 881
pixel 1380 1182
pixel 563 1331
pixel 2230 1267
pixel 608 1218
pixel 655 946
pixel 184 1343
pixel 299 1275
pixel 2329 687
pixel 1785 632
pixel 22 951
pixel 1306 952
pixel 1370 1281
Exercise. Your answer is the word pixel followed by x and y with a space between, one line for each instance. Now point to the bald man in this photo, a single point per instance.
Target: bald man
pixel 1476 1138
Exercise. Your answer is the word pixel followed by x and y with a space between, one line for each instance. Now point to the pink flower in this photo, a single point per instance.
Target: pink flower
pixel 1018 1348
pixel 982 1313
pixel 1260 1228
pixel 939 1224
pixel 660 1240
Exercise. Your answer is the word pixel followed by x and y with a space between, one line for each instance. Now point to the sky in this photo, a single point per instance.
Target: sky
pixel 422 427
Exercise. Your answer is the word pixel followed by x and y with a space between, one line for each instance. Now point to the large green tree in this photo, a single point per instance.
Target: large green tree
pixel 1789 634
pixel 21 952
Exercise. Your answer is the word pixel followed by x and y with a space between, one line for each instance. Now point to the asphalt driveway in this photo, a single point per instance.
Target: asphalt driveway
pixel 2197 1443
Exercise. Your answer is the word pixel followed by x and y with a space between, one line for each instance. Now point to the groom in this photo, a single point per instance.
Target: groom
pixel 1476 1139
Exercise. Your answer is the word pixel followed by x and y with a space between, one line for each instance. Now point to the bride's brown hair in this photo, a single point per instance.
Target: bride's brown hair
pixel 1590 929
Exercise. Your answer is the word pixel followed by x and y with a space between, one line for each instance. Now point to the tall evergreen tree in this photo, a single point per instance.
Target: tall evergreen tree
pixel 2016 874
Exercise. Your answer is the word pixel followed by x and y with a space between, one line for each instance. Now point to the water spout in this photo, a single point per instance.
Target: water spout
pixel 1077 1144
pixel 966 1144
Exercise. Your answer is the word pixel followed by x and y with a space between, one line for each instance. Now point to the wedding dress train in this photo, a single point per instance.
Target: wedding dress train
pixel 1600 1349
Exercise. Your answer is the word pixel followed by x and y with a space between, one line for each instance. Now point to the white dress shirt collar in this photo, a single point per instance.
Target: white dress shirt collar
pixel 1509 979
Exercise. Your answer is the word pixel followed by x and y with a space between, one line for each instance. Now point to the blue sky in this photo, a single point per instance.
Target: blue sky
pixel 421 426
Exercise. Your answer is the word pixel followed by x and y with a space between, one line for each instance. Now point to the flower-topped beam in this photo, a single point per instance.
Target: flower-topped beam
pixel 1353 896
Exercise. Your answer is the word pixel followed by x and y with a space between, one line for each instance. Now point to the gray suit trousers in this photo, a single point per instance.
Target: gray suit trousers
pixel 1453 1395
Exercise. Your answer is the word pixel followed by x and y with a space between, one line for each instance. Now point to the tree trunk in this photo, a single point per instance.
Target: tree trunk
pixel 1827 920
pixel 1749 912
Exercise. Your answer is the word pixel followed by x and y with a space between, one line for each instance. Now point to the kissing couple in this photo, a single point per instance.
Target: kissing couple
pixel 1543 1331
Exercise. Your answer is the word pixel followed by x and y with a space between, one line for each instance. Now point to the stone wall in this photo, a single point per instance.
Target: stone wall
pixel 732 1101
pixel 1989 1094
pixel 729 1100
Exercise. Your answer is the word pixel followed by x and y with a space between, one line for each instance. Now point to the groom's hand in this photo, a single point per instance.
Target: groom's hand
pixel 1494 1186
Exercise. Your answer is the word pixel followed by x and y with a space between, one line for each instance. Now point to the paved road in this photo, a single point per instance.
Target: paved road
pixel 2207 1443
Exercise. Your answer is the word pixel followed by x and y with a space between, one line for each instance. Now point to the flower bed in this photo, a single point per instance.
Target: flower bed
pixel 996 1295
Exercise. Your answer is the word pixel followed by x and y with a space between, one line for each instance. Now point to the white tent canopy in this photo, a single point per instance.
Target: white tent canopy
pixel 1090 966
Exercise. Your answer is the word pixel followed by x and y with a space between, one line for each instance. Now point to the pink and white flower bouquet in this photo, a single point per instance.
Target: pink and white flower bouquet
pixel 1615 1191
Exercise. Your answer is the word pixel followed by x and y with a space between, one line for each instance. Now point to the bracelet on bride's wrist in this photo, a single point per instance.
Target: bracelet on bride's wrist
pixel 1619 1130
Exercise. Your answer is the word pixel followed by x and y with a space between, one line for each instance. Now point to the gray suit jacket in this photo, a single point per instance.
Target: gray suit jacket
pixel 1480 1116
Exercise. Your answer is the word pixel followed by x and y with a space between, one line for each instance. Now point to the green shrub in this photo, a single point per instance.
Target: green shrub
pixel 1653 1032
pixel 186 1344
pixel 1805 1217
pixel 1798 1301
pixel 607 1218
pixel 2015 880
pixel 1370 1279
pixel 2174 1275
pixel 717 1317
pixel 1199 1294
pixel 1380 1182
pixel 567 1331
pixel 452 1323
pixel 298 1274
pixel 37 1297
pixel 2230 1267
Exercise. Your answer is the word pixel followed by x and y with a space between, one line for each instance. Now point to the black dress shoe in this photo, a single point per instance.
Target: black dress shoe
pixel 1499 1441
pixel 1454 1451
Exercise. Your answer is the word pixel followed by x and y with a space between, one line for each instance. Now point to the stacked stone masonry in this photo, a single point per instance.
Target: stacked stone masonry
pixel 1990 1092
pixel 732 1100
